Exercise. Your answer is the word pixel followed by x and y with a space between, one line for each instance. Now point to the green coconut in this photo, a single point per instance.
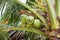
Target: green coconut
pixel 37 23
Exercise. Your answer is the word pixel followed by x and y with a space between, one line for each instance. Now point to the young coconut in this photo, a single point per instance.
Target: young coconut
pixel 29 25
pixel 37 23
pixel 21 24
pixel 23 18
pixel 30 20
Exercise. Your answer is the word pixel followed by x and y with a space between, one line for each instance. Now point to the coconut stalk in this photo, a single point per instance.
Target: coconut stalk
pixel 38 2
pixel 57 7
pixel 52 14
pixel 25 29
pixel 35 12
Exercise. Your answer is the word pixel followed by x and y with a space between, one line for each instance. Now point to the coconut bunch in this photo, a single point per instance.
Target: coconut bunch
pixel 29 21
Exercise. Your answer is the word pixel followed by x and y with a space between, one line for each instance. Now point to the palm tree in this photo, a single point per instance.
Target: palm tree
pixel 48 14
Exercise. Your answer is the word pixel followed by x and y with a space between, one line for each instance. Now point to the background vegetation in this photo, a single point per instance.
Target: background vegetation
pixel 46 11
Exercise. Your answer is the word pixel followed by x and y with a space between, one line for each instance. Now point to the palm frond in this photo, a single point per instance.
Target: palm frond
pixel 11 13
pixel 57 7
pixel 4 35
pixel 53 17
